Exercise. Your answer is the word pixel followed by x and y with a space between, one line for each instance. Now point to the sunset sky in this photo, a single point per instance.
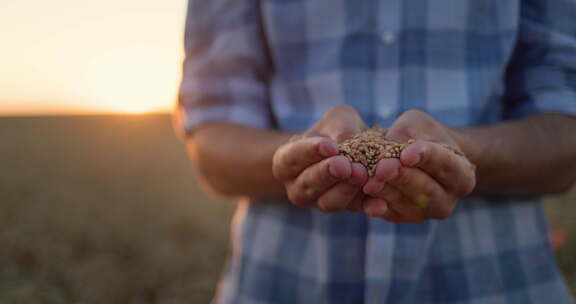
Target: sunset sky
pixel 79 56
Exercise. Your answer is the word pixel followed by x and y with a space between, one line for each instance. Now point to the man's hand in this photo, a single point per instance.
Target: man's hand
pixel 313 172
pixel 427 181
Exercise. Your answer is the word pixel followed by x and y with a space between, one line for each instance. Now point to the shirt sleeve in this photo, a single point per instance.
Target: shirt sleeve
pixel 541 76
pixel 226 67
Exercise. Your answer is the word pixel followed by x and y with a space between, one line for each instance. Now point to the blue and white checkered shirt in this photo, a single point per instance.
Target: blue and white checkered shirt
pixel 282 63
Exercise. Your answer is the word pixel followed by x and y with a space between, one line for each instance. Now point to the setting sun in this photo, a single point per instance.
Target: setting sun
pixel 135 109
pixel 142 82
pixel 82 57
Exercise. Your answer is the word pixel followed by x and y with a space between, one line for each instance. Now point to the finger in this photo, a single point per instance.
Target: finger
pixel 317 179
pixel 389 193
pixel 338 197
pixel 392 216
pixel 356 204
pixel 401 204
pixel 376 207
pixel 452 171
pixel 340 123
pixel 404 211
pixel 359 174
pixel 386 169
pixel 415 124
pixel 424 192
pixel 292 158
pixel 380 208
pixel 358 177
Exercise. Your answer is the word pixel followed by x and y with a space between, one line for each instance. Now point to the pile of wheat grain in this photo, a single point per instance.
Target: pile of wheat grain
pixel 370 146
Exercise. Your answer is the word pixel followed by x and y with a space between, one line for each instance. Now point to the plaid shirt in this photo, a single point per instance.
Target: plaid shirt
pixel 282 63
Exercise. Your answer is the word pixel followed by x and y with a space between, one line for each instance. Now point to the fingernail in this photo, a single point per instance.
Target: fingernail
pixel 333 172
pixel 369 210
pixel 328 149
pixel 414 161
pixel 375 210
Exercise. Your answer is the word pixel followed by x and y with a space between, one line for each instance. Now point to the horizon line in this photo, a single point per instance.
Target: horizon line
pixel 68 114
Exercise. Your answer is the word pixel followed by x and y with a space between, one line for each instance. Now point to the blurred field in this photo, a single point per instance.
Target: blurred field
pixel 105 209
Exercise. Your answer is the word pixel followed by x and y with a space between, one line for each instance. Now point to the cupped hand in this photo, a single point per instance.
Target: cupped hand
pixel 429 178
pixel 313 172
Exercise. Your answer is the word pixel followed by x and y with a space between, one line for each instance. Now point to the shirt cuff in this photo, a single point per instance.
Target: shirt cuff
pixel 563 101
pixel 187 120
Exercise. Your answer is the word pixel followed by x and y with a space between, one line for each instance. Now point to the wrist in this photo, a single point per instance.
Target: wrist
pixel 470 142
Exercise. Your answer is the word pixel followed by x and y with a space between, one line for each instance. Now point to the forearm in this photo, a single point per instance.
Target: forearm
pixel 235 160
pixel 532 156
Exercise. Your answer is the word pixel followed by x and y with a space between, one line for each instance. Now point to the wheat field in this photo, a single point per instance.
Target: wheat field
pixel 106 209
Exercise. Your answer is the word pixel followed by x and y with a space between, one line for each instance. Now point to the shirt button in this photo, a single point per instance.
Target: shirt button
pixel 385 111
pixel 388 37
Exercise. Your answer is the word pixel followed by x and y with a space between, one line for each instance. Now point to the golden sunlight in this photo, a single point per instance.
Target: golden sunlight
pixel 135 109
pixel 133 80
pixel 79 57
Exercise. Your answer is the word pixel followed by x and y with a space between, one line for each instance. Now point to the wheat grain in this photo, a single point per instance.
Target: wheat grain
pixel 370 146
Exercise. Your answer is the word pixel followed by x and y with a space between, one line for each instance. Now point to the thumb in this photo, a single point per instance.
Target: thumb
pixel 341 122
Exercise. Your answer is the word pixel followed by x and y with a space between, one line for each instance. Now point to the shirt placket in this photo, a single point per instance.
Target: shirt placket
pixel 379 255
pixel 381 234
pixel 387 76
